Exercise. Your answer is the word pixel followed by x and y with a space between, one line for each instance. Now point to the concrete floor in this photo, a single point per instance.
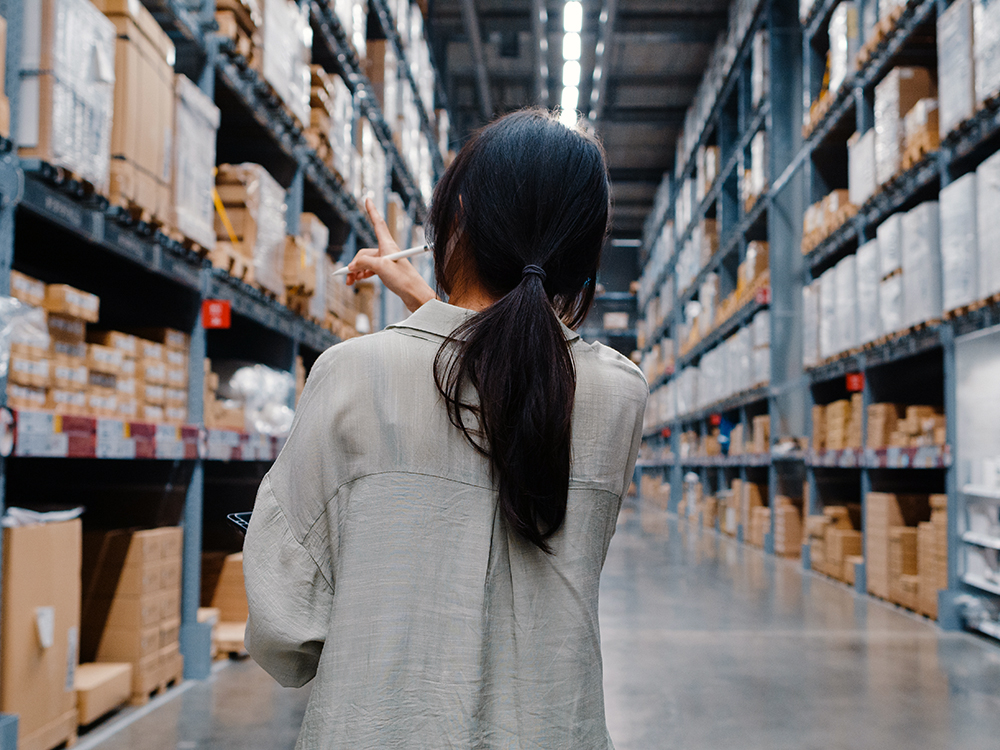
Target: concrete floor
pixel 708 645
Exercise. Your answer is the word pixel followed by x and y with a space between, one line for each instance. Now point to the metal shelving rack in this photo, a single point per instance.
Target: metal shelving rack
pixel 927 349
pixel 160 282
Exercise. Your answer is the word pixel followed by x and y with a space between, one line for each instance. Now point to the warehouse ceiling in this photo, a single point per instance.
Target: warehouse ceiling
pixel 655 52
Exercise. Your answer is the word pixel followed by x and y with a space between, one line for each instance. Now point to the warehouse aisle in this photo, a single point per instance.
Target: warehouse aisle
pixel 707 645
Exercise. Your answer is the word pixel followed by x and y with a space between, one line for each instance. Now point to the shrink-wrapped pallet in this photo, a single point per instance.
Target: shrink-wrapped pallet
pixel 868 321
pixel 861 167
pixel 67 87
pixel 844 42
pixel 828 335
pixel 956 69
pixel 890 304
pixel 810 324
pixel 986 46
pixel 195 131
pixel 890 245
pixel 286 52
pixel 895 95
pixel 921 264
pixel 382 69
pixel 760 328
pixel 988 228
pixel 959 247
pixel 255 207
pixel 847 303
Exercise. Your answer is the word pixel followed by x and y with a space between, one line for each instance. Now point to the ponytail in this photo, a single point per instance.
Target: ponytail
pixel 516 357
pixel 523 211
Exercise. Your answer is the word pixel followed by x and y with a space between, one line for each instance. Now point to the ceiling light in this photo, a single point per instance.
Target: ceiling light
pixel 571 73
pixel 573 17
pixel 570 97
pixel 568 117
pixel 571 46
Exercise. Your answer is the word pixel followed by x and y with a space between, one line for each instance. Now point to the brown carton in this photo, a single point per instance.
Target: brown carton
pixel 64 299
pixel 41 626
pixel 101 688
pixel 24 288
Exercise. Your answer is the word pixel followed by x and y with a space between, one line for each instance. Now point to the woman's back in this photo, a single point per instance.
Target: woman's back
pixel 378 558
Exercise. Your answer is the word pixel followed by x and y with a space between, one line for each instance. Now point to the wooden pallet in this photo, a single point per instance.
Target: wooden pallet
pixel 918 149
pixel 234 28
pixel 959 312
pixel 186 242
pixel 237 265
pixel 228 639
pixel 136 213
pixel 141 699
pixel 882 31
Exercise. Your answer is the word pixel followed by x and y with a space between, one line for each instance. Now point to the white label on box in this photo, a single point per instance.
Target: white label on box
pixel 45 624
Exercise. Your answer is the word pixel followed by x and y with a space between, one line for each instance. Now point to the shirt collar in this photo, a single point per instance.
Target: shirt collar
pixel 440 319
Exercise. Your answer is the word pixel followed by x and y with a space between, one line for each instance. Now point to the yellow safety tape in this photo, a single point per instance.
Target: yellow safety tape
pixel 217 200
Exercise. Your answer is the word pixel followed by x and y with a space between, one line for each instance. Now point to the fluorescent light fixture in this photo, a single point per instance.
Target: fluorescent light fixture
pixel 571 46
pixel 573 17
pixel 570 97
pixel 568 117
pixel 571 73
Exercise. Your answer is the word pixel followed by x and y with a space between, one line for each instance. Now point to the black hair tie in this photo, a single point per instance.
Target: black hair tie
pixel 533 270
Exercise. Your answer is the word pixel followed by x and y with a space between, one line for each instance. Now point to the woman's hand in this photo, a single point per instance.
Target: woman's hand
pixel 399 276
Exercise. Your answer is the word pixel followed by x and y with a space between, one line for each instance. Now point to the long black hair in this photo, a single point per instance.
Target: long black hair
pixel 526 190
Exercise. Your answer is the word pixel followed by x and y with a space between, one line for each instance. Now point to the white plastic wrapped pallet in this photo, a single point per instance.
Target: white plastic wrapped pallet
pixel 847 303
pixel 986 46
pixel 828 336
pixel 890 245
pixel 810 324
pixel 67 87
pixel 195 130
pixel 861 167
pixel 921 264
pixel 956 79
pixel 287 52
pixel 959 246
pixel 890 303
pixel 761 366
pixel 844 42
pixel 988 240
pixel 895 95
pixel 869 324
pixel 760 329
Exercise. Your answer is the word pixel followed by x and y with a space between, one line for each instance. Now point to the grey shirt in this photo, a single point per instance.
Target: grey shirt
pixel 377 563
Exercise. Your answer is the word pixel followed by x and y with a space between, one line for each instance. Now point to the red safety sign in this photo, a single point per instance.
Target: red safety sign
pixel 855 382
pixel 216 313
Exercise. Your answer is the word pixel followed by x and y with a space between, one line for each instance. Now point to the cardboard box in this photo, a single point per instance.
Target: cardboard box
pixel 104 359
pixel 154 395
pixel 128 645
pixel 100 689
pixel 41 628
pixel 895 96
pixel 64 299
pixel 124 342
pixel 196 125
pixel 25 397
pixel 151 350
pixel 29 371
pixel 65 107
pixel 222 585
pixel 142 126
pixel 22 287
pixel 170 632
pixel 66 328
pixel 169 338
pixel 151 371
pixel 66 401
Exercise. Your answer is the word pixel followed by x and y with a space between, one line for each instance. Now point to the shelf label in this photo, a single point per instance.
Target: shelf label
pixel 855 382
pixel 216 313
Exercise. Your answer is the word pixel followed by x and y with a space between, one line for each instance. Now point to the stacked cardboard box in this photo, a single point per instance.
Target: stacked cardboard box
pixel 761 434
pixel 709 512
pixel 305 269
pixel 251 231
pixel 321 132
pixel 834 541
pixel 220 414
pixel 932 556
pixel 729 511
pixel 903 566
pixel 131 608
pixel 346 304
pixel 819 427
pixel 787 528
pixel 41 626
pixel 882 421
pixel 885 512
pixel 751 498
pixel 842 422
pixel 760 526
pixel 65 106
pixel 162 374
pixel 921 132
pixel 100 689
pixel 921 426
pixel 223 588
pixel 824 217
pixel 142 131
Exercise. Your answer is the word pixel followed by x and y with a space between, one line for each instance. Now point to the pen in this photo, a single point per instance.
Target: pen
pixel 392 256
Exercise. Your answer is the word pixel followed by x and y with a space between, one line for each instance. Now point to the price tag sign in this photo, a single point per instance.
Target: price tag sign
pixel 855 382
pixel 216 313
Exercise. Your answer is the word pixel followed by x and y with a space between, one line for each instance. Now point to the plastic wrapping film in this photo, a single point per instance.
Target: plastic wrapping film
pixel 959 246
pixel 287 52
pixel 266 204
pixel 805 8
pixel 761 366
pixel 760 329
pixel 847 303
pixel 197 125
pixel 20 324
pixel 956 81
pixel 828 336
pixel 760 68
pixel 75 60
pixel 861 167
pixel 895 95
pixel 885 7
pixel 890 245
pixel 708 295
pixel 746 348
pixel 317 237
pixel 844 42
pixel 869 327
pixel 810 324
pixel 986 45
pixel 988 240
pixel 921 264
pixel 758 164
pixel 890 303
pixel 265 395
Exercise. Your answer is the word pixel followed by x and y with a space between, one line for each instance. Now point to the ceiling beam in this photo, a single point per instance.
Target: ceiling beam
pixel 476 43
pixel 605 29
pixel 679 27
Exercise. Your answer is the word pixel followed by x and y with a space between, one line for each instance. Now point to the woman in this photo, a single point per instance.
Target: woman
pixel 429 543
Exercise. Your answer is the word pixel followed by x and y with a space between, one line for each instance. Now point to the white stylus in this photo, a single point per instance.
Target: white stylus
pixel 391 256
